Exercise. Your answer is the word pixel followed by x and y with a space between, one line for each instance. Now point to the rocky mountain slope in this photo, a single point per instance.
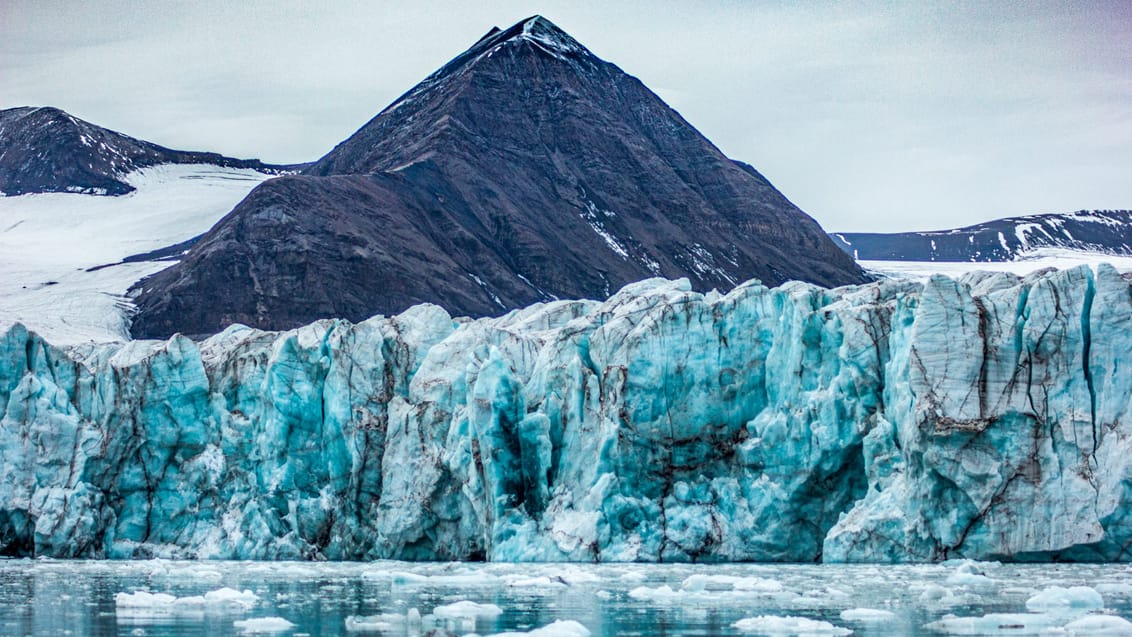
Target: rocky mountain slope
pixel 986 417
pixel 526 169
pixel 1103 231
pixel 48 150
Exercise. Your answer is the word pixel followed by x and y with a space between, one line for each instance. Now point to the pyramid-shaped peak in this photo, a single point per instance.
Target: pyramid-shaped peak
pixel 536 29
pixel 539 26
pixel 524 170
pixel 538 22
pixel 546 32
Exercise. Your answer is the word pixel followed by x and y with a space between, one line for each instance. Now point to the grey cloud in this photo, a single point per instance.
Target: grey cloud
pixel 870 116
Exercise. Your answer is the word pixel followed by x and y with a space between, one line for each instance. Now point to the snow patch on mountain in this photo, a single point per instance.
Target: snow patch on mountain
pixel 52 246
pixel 1025 263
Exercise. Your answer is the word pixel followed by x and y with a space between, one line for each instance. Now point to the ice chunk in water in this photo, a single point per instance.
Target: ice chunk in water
pixel 867 615
pixel 467 609
pixel 143 599
pixel 1058 598
pixel 1114 588
pixel 996 624
pixel 774 626
pixel 263 625
pixel 1099 625
pixel 700 582
pixel 145 602
pixel 560 628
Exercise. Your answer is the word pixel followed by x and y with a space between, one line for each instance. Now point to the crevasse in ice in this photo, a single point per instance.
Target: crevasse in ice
pixel 984 417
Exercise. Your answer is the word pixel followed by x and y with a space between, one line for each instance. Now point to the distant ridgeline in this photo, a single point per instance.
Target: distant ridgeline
pixel 985 418
pixel 1105 231
pixel 43 149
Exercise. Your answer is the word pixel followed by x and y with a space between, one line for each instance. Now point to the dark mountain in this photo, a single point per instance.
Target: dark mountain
pixel 1105 231
pixel 48 150
pixel 524 170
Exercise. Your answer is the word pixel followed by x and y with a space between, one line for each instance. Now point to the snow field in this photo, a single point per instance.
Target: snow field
pixel 1027 263
pixel 49 242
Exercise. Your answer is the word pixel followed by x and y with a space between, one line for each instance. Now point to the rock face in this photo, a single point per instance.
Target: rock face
pixel 48 150
pixel 982 417
pixel 525 170
pixel 1104 231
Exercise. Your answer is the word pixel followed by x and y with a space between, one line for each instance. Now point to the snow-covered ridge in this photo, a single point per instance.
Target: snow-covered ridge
pixel 52 246
pixel 895 421
pixel 1014 238
pixel 1022 264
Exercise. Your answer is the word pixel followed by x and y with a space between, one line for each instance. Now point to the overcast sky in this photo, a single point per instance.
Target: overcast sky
pixel 878 116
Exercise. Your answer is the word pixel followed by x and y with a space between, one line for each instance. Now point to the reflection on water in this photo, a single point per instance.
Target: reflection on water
pixel 48 597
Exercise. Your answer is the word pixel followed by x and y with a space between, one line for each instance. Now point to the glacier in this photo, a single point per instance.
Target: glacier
pixel 981 417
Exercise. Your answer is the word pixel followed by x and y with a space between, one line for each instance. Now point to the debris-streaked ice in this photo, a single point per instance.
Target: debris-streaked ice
pixel 980 417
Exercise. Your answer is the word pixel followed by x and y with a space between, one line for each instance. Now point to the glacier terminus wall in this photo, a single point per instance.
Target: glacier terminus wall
pixel 986 417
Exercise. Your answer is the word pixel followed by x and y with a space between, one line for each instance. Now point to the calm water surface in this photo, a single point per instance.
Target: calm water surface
pixel 48 597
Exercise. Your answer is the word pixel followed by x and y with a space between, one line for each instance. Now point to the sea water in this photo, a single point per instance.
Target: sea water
pixel 158 597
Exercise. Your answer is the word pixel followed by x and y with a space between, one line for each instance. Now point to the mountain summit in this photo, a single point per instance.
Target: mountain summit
pixel 524 170
pixel 463 88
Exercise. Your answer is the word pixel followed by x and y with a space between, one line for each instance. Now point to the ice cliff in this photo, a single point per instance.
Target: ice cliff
pixel 985 417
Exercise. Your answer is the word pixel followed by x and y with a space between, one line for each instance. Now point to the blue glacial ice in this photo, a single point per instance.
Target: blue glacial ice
pixel 984 417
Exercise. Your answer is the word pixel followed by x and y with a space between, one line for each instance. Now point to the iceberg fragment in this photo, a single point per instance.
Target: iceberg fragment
pixel 260 625
pixel 774 625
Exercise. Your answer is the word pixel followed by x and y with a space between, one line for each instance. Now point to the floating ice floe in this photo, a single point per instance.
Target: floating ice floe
pixel 1061 599
pixel 1123 589
pixel 775 626
pixel 867 615
pixel 142 603
pixel 996 624
pixel 540 582
pixel 1047 624
pixel 936 596
pixel 1099 625
pixel 559 628
pixel 716 589
pixel 386 622
pixel 455 580
pixel 263 625
pixel 730 582
pixel 467 610
pixel 969 575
